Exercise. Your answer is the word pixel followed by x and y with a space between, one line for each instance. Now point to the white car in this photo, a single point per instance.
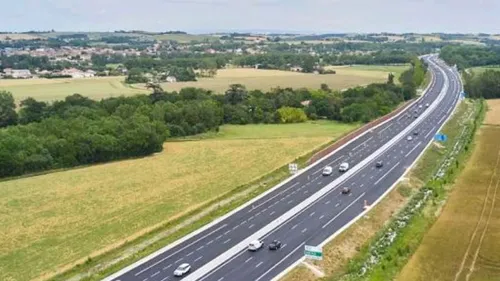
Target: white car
pixel 344 167
pixel 255 245
pixel 420 106
pixel 182 270
pixel 328 170
pixel 409 138
pixel 426 105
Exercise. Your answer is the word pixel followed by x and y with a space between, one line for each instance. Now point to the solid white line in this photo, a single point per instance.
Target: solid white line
pixel 418 144
pixel 430 131
pixel 174 253
pixel 345 209
pixel 393 167
pixel 278 263
pixel 444 116
pixel 271 198
pixel 361 144
pixel 386 128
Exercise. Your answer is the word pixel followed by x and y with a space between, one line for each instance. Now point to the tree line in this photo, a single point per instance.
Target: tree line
pixel 75 131
pixel 469 56
pixel 484 85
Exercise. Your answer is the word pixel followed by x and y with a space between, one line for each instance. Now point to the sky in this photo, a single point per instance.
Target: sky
pixel 299 16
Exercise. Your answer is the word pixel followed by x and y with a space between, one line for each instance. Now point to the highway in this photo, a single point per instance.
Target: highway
pixel 308 208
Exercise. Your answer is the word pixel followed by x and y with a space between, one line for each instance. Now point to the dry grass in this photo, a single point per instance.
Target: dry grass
pixel 493 116
pixel 56 89
pixel 346 77
pixel 337 253
pixel 56 219
pixel 463 243
pixel 98 88
pixel 17 36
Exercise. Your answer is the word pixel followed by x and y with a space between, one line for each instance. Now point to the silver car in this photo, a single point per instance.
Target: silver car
pixel 182 270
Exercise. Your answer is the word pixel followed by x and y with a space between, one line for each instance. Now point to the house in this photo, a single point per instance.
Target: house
pixel 76 73
pixel 171 79
pixel 18 73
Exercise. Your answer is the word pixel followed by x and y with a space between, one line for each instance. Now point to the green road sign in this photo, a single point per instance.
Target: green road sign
pixel 312 252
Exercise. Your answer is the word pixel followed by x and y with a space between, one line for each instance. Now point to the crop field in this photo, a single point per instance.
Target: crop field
pixel 59 219
pixel 463 242
pixel 481 69
pixel 56 89
pixel 103 87
pixel 346 77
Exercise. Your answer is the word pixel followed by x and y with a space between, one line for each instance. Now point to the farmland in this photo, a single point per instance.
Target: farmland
pixel 56 89
pixel 97 88
pixel 59 219
pixel 463 243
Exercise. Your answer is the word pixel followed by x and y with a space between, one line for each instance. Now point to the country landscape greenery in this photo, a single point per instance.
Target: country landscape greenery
pixel 184 138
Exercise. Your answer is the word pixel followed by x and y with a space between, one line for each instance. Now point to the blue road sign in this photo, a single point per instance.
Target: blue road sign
pixel 440 137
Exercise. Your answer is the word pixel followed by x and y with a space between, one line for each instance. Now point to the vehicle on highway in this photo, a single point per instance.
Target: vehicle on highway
pixel 275 245
pixel 255 245
pixel 346 190
pixel 182 270
pixel 426 105
pixel 420 106
pixel 415 133
pixel 379 164
pixel 409 138
pixel 327 171
pixel 415 116
pixel 344 167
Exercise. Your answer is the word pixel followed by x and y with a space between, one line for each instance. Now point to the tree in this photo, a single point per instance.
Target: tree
pixel 32 111
pixel 8 114
pixel 291 115
pixel 390 78
pixel 236 93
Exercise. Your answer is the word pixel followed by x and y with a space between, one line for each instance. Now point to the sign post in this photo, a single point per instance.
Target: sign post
pixel 293 168
pixel 312 252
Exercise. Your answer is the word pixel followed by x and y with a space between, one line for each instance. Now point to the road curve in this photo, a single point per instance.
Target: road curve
pixel 308 208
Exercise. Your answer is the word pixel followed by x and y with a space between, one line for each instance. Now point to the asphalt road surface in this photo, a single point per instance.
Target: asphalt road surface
pixel 308 208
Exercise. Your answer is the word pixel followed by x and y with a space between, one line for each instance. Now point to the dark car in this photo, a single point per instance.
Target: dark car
pixel 416 116
pixel 379 164
pixel 275 245
pixel 415 133
pixel 346 190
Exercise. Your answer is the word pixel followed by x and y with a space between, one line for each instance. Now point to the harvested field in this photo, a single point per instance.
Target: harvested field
pixel 463 243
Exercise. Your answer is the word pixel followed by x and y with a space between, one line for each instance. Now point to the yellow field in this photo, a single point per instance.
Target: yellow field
pixel 53 220
pixel 98 88
pixel 463 244
pixel 261 79
pixel 56 89
pixel 4 36
pixel 493 116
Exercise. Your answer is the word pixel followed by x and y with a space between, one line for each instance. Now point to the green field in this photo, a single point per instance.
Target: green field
pixel 98 88
pixel 481 69
pixel 55 221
